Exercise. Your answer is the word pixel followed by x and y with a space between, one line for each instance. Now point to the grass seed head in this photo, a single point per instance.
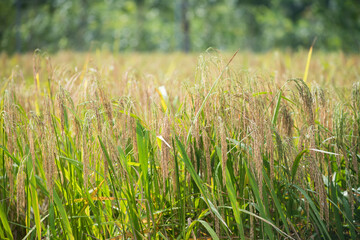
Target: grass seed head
pixel 107 105
pixel 287 121
pixel 307 100
pixel 165 154
pixel 355 95
pixel 223 144
pixel 206 141
pixel 61 106
pixel 20 192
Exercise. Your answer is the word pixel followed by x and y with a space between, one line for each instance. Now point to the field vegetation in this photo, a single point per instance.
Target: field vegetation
pixel 174 146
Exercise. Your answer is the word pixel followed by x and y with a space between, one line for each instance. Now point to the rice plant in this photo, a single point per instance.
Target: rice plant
pixel 180 147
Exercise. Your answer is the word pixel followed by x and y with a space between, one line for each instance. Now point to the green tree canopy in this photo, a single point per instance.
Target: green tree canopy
pixel 147 25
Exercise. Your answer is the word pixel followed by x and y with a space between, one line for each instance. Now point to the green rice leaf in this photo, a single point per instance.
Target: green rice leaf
pixel 234 203
pixel 296 164
pixel 276 111
pixel 209 229
pixel 198 182
pixel 63 215
pixel 5 223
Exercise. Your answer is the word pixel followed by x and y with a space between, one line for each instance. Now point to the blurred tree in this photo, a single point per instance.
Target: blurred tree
pixel 7 16
pixel 147 25
pixel 140 18
pixel 18 25
pixel 183 24
pixel 82 27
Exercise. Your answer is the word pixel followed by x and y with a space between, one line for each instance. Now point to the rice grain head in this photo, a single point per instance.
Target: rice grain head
pixel 61 106
pixel 165 155
pixel 206 141
pixel 20 192
pixel 223 144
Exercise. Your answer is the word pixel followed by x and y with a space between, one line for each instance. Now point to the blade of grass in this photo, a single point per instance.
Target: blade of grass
pixel 267 222
pixel 209 229
pixel 320 224
pixel 276 111
pixel 234 203
pixel 34 195
pixel 199 183
pixel 339 227
pixel 64 217
pixel 296 164
pixel 5 223
pixel 33 228
pixel 276 201
pixel 260 204
pixel 308 61
pixel 209 93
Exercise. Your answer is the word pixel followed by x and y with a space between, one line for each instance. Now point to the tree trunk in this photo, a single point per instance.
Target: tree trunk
pixel 18 24
pixel 140 19
pixel 185 26
pixel 182 23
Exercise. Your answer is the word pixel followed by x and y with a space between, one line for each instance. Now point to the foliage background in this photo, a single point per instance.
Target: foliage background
pixel 158 25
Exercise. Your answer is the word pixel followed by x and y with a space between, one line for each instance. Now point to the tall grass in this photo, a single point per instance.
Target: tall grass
pixel 167 148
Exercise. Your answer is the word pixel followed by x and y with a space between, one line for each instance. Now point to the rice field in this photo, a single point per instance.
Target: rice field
pixel 173 146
